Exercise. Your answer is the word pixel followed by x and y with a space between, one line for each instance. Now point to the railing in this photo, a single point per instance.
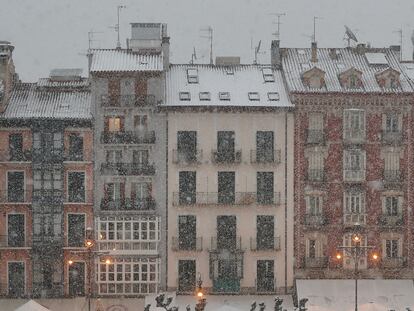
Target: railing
pixel 354 175
pixel 393 176
pixel 265 244
pixel 131 245
pixel 352 219
pixel 183 244
pixel 354 136
pixel 187 157
pixel 265 156
pixel 391 220
pixel 128 204
pixel 128 100
pixel 265 285
pixel 7 155
pixel 317 175
pixel 316 262
pixel 48 154
pixel 127 169
pixel 217 198
pixel 47 196
pixel 393 262
pixel 11 241
pixel 315 136
pixel 312 220
pixel 128 137
pixel 217 244
pixel 15 196
pixel 392 138
pixel 222 157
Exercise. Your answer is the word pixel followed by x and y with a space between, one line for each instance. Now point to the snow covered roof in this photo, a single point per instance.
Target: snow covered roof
pixel 333 62
pixel 124 60
pixel 225 86
pixel 46 82
pixel 32 305
pixel 28 101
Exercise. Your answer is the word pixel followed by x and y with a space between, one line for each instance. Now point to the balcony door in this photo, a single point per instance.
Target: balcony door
pixel 16 230
pixel 16 279
pixel 187 187
pixel 15 186
pixel 187 232
pixel 265 276
pixel 226 232
pixel 226 187
pixel 187 146
pixel 264 146
pixel 225 146
pixel 186 275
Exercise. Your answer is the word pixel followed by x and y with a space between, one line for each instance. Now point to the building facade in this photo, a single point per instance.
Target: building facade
pixel 353 155
pixel 230 182
pixel 130 163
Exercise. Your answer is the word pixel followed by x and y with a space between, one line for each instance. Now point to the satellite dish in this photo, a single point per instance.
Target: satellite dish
pixel 350 34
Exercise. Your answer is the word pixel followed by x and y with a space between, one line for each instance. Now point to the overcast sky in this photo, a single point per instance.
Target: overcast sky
pixel 51 34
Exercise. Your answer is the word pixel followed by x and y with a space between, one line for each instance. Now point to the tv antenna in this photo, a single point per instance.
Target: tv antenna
pixel 256 50
pixel 412 41
pixel 117 27
pixel 209 36
pixel 91 39
pixel 400 32
pixel 350 35
pixel 193 56
pixel 314 27
pixel 278 23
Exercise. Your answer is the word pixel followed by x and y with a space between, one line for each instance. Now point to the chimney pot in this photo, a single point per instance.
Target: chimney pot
pixel 275 55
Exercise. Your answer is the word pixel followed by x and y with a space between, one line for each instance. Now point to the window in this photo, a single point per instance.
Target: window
pixel 15 186
pixel 186 146
pixel 224 95
pixel 273 96
pixel 314 205
pixel 141 122
pixel 76 187
pixel 354 203
pixel 391 123
pixel 254 96
pixel 392 166
pixel 268 74
pixel 265 227
pixel 265 188
pixel 16 147
pixel 187 232
pixel 113 191
pixel 265 276
pixel 75 147
pixel 15 230
pixel 141 191
pixel 187 187
pixel 140 157
pixel 225 146
pixel 16 277
pixel 226 187
pixel 265 147
pixel 114 156
pixel 354 165
pixel 114 124
pixel 312 249
pixel 76 230
pixel 204 95
pixel 184 95
pixel 186 275
pixel 316 166
pixel 192 75
pixel 47 224
pixel 315 128
pixel 354 124
pixel 391 248
pixel 391 207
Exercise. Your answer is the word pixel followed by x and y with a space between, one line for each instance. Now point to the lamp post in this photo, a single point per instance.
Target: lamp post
pixel 356 250
pixel 201 303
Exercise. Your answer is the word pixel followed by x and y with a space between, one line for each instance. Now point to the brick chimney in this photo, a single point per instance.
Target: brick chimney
pixel 7 73
pixel 275 56
pixel 314 48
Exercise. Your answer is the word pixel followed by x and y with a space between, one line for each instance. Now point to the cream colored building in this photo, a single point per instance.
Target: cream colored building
pixel 230 179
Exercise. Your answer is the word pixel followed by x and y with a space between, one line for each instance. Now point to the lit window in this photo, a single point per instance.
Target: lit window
pixel 273 96
pixel 268 74
pixel 254 96
pixel 224 95
pixel 192 75
pixel 114 124
pixel 185 96
pixel 204 95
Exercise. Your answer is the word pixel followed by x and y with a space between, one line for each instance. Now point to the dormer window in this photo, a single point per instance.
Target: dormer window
pixel 185 96
pixel 192 75
pixel 204 95
pixel 388 78
pixel 273 96
pixel 254 96
pixel 268 74
pixel 314 78
pixel 351 78
pixel 224 95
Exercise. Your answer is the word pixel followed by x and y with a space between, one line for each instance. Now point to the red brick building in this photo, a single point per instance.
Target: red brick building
pixel 353 150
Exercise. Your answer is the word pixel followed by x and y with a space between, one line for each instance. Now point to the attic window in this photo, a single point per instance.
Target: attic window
pixel 273 96
pixel 224 95
pixel 204 95
pixel 254 96
pixel 192 75
pixel 268 74
pixel 229 71
pixel 185 96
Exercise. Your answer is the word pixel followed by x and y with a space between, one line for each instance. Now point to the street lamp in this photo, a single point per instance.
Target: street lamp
pixel 201 303
pixel 356 250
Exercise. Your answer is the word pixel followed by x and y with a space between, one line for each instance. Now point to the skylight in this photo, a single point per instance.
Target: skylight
pixel 185 96
pixel 192 75
pixel 254 96
pixel 229 71
pixel 224 95
pixel 204 95
pixel 376 58
pixel 268 74
pixel 273 96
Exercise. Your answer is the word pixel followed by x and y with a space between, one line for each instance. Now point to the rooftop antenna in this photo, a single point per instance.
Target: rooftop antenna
pixel 278 23
pixel 314 27
pixel 412 41
pixel 91 39
pixel 350 35
pixel 400 32
pixel 257 51
pixel 193 56
pixel 117 27
pixel 209 36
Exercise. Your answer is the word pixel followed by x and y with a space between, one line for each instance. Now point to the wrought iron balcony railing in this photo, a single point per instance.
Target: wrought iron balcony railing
pixel 392 221
pixel 186 244
pixel 392 176
pixel 128 137
pixel 128 101
pixel 392 137
pixel 128 204
pixel 265 244
pixel 226 157
pixel 265 156
pixel 217 198
pixel 187 156
pixel 312 220
pixel 131 169
pixel 352 219
pixel 316 262
pixel 315 137
pixel 226 243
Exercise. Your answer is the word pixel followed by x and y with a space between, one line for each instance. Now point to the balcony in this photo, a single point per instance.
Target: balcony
pixel 47 196
pixel 392 138
pixel 8 155
pixel 226 157
pixel 391 221
pixel 225 243
pixel 195 245
pixel 216 198
pixel 392 176
pixel 131 169
pixel 354 219
pixel 265 244
pixel 128 137
pixel 128 204
pixel 354 175
pixel 316 137
pixel 354 136
pixel 311 220
pixel 13 241
pixel 265 156
pixel 316 262
pixel 187 156
pixel 393 262
pixel 48 154
pixel 128 101
pixel 15 196
pixel 315 175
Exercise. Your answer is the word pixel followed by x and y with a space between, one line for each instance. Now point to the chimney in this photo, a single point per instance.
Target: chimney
pixel 275 56
pixel 7 73
pixel 332 54
pixel 361 48
pixel 314 48
pixel 166 51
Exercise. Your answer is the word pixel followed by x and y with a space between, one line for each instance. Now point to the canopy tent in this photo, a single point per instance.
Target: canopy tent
pixel 31 305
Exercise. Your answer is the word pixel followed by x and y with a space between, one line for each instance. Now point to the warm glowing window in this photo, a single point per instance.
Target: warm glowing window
pixel 114 124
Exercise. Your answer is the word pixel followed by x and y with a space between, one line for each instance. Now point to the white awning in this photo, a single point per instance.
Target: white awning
pixel 32 305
